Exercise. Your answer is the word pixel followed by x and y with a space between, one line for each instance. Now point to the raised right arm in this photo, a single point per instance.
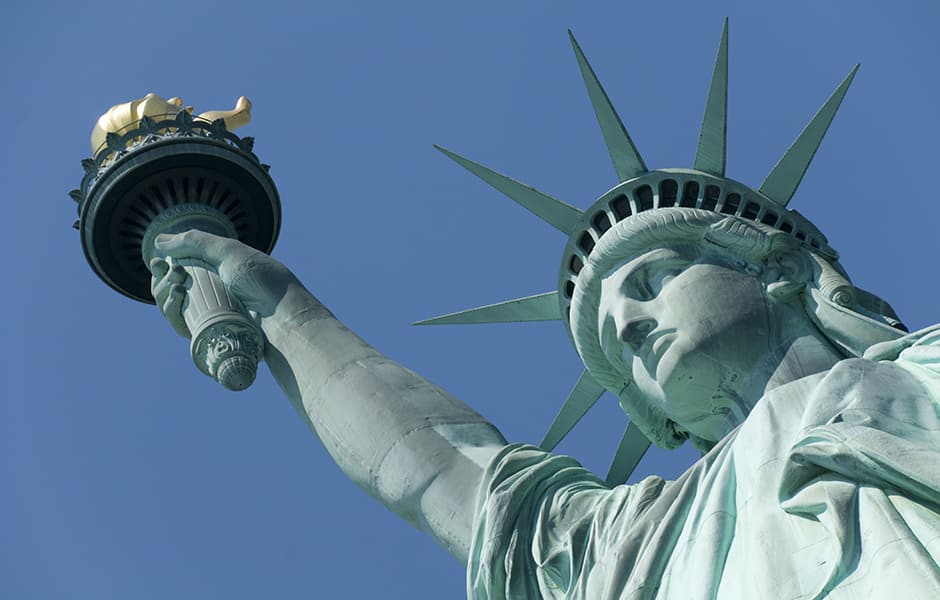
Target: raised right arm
pixel 406 442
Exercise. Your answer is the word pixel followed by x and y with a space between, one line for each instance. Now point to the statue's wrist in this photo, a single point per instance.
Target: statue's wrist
pixel 296 309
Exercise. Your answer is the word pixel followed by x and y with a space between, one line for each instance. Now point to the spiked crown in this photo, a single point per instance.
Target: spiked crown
pixel 704 188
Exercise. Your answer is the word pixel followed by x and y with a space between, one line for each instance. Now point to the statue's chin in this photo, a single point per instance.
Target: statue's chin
pixel 700 401
pixel 717 425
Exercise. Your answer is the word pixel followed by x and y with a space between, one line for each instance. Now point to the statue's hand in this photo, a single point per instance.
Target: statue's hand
pixel 167 289
pixel 255 278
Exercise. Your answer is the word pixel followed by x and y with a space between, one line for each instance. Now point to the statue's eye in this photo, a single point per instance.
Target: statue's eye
pixel 643 287
pixel 663 276
pixel 646 283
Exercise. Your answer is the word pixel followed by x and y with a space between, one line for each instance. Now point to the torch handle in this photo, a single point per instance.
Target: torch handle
pixel 226 344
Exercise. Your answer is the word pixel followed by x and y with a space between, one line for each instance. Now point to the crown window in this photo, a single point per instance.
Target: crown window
pixel 575 264
pixel 601 222
pixel 689 194
pixel 621 207
pixel 750 210
pixel 668 190
pixel 710 201
pixel 586 242
pixel 731 204
pixel 644 198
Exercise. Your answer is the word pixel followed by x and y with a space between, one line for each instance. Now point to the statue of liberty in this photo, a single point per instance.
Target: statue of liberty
pixel 717 316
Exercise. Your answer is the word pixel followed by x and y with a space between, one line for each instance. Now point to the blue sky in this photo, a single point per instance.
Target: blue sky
pixel 126 473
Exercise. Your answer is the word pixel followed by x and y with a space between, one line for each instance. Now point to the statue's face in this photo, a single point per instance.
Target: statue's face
pixel 691 329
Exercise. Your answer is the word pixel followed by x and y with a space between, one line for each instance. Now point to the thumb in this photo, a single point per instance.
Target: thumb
pixel 193 244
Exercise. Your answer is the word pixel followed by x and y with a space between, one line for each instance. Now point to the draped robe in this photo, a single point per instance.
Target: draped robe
pixel 830 488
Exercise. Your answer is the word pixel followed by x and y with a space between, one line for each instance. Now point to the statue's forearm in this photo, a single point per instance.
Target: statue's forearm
pixel 405 441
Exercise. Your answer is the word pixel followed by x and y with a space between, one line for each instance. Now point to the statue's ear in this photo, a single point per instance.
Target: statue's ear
pixel 786 272
pixel 785 268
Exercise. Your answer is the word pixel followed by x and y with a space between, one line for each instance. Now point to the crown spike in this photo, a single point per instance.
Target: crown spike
pixel 583 396
pixel 785 177
pixel 627 160
pixel 712 141
pixel 541 307
pixel 553 211
pixel 633 446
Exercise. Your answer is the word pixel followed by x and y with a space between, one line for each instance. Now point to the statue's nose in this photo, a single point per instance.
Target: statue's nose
pixel 634 332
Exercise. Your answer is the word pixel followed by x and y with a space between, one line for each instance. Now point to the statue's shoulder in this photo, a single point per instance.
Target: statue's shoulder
pixel 917 354
pixel 928 337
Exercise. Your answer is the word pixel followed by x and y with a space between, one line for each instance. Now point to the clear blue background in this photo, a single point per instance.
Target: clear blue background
pixel 125 473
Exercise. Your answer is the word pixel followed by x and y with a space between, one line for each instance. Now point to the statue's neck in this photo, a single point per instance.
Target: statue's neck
pixel 799 350
pixel 795 349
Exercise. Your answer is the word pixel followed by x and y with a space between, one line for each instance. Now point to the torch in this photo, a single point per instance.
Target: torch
pixel 157 169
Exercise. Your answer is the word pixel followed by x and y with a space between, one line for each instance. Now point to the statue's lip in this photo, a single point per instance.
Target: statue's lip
pixel 655 347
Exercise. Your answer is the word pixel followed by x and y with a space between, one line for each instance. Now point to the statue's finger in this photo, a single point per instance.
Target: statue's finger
pixel 176 274
pixel 160 289
pixel 164 274
pixel 173 303
pixel 173 309
pixel 158 267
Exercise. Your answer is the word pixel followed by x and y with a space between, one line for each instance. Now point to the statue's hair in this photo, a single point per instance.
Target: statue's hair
pixel 753 244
